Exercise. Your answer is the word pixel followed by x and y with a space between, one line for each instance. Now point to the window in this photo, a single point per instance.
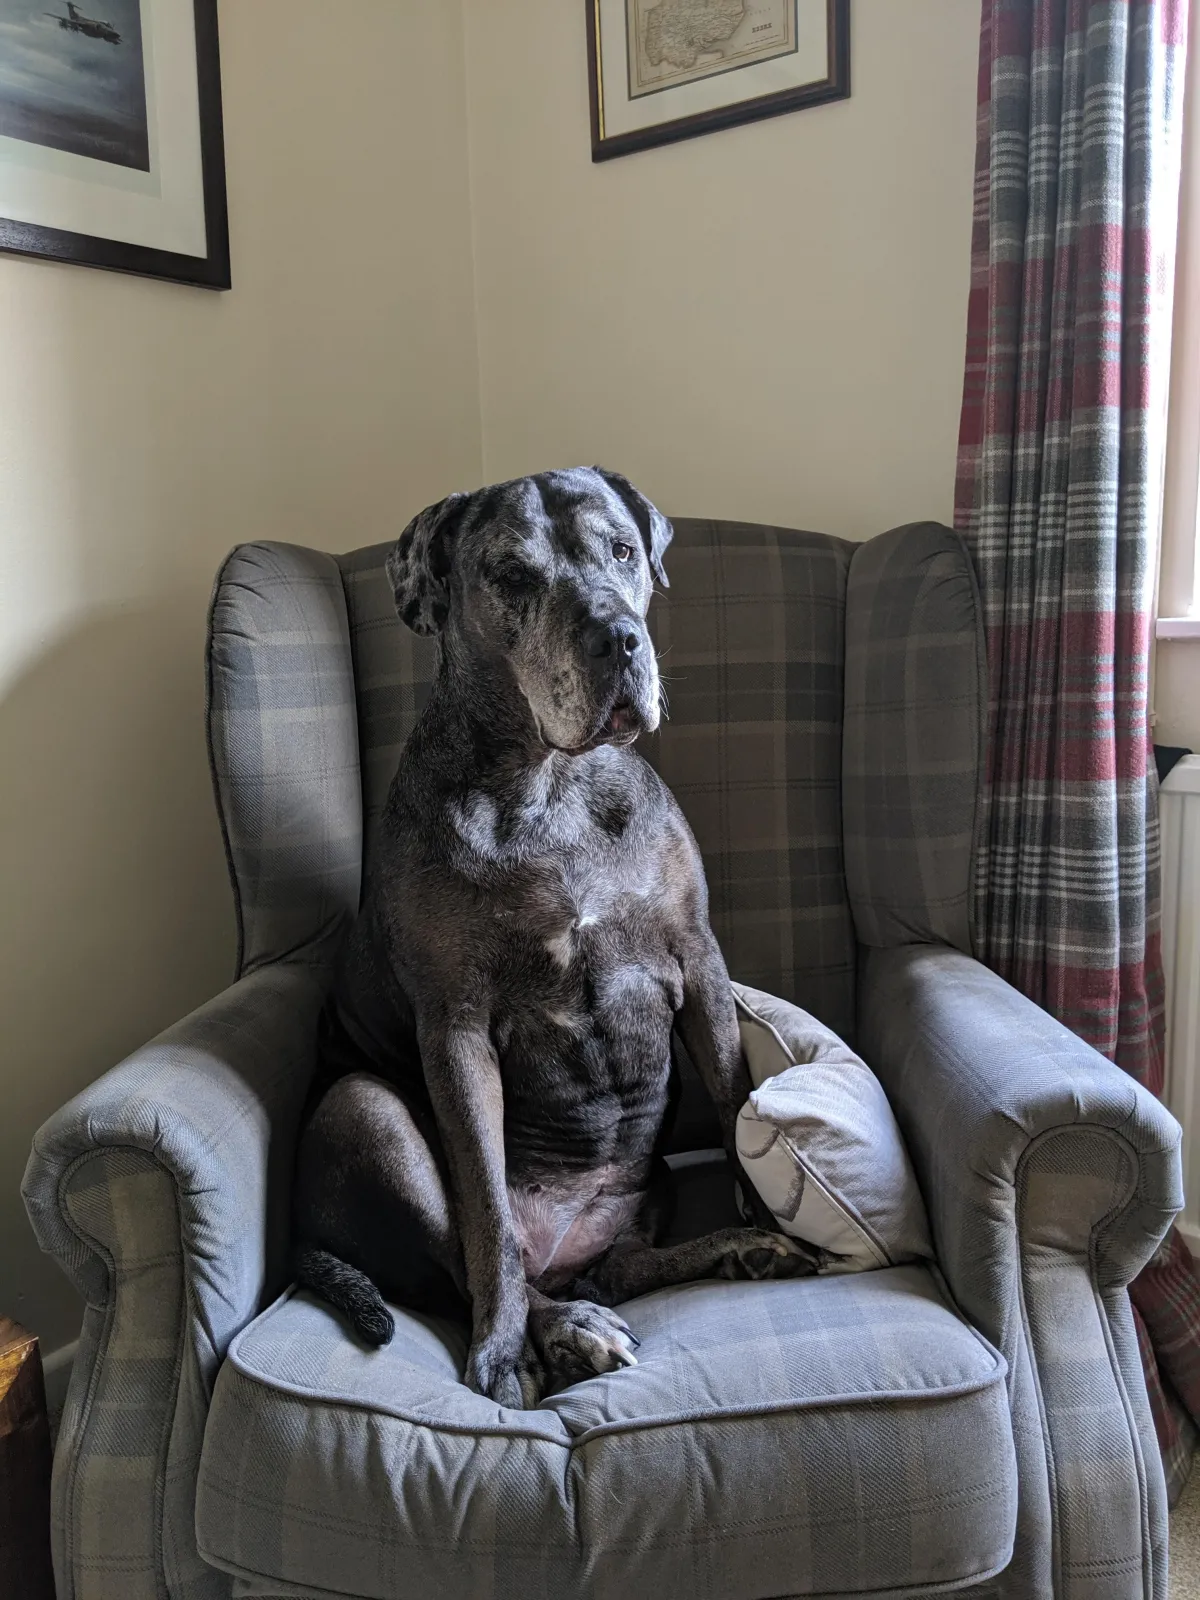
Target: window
pixel 1179 577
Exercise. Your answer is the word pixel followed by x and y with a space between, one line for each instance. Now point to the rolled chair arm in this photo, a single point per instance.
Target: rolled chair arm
pixel 163 1191
pixel 982 1080
pixel 1050 1177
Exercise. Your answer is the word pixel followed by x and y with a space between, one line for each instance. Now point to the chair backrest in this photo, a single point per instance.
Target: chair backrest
pixel 750 636
pixel 914 737
pixel 283 749
pixel 827 712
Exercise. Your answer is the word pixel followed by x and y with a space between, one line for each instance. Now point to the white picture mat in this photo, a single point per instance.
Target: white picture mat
pixel 809 64
pixel 54 189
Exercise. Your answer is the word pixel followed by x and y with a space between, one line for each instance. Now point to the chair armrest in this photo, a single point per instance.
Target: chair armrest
pixel 990 1092
pixel 1050 1177
pixel 163 1191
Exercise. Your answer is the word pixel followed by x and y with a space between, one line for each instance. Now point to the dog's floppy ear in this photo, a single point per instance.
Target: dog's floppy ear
pixel 656 531
pixel 419 567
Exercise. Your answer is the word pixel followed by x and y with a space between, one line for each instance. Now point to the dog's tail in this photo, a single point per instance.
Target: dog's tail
pixel 347 1290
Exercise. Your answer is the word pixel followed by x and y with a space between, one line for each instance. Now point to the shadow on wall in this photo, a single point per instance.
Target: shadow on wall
pixel 116 916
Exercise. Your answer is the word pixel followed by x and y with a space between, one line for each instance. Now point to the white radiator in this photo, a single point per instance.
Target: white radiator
pixel 1179 811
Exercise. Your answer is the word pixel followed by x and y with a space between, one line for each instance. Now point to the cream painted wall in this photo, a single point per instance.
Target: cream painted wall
pixel 1177 692
pixel 766 323
pixel 144 429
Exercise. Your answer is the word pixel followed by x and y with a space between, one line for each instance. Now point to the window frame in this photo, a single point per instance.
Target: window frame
pixel 1179 560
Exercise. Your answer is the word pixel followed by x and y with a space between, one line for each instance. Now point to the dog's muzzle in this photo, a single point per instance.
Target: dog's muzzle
pixel 617 652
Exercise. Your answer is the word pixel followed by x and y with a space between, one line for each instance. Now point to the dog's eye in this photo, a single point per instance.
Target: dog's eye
pixel 622 551
pixel 513 578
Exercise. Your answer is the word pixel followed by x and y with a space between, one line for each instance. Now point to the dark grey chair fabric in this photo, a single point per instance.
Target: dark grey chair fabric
pixel 912 750
pixel 750 636
pixel 898 1433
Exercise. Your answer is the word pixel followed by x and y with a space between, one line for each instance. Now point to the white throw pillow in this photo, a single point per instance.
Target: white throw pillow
pixel 820 1144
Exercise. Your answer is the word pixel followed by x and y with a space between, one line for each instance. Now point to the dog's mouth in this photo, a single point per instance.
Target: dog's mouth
pixel 622 725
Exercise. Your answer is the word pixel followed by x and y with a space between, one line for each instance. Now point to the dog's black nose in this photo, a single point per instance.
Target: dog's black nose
pixel 615 641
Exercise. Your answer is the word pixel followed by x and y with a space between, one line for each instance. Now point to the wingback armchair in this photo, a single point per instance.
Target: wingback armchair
pixel 976 1424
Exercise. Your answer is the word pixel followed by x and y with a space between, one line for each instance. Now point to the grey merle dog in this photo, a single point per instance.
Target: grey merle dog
pixel 496 1083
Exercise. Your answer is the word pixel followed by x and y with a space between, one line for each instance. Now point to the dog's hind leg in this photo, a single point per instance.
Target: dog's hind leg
pixel 634 1267
pixel 637 1264
pixel 373 1213
pixel 347 1290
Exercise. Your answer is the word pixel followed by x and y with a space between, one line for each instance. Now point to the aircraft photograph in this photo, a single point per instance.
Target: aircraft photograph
pixel 76 22
pixel 73 80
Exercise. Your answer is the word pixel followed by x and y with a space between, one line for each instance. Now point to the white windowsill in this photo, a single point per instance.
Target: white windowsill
pixel 1177 628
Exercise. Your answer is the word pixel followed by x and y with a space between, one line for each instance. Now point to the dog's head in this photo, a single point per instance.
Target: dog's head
pixel 546 580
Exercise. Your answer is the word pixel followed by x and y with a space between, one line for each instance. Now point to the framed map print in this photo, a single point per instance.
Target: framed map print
pixel 111 151
pixel 662 70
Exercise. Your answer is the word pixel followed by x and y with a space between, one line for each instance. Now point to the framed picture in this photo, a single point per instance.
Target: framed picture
pixel 663 70
pixel 111 153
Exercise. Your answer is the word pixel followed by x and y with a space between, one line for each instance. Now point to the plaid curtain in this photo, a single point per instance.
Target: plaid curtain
pixel 1058 491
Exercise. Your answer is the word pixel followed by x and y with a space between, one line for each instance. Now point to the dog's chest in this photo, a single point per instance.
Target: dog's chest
pixel 590 942
pixel 588 988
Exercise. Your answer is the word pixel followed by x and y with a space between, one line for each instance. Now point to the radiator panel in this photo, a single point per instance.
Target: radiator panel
pixel 1179 813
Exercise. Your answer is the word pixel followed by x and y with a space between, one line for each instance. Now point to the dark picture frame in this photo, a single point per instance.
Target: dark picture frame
pixel 212 270
pixel 834 86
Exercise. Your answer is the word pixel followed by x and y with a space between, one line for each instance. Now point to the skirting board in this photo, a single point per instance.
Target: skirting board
pixel 56 1366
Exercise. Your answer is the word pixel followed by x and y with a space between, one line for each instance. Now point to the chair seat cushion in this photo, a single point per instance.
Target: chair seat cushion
pixel 826 1436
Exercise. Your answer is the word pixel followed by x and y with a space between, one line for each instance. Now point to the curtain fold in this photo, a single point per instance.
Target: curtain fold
pixel 1058 495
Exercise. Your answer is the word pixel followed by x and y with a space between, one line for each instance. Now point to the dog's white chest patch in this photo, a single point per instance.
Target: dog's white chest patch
pixel 561 947
pixel 571 1021
pixel 475 821
pixel 591 906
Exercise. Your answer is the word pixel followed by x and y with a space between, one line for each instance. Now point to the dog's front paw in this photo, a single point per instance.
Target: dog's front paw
pixel 756 1253
pixel 531 1375
pixel 578 1339
pixel 493 1370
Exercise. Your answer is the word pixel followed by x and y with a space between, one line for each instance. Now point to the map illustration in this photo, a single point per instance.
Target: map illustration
pixel 678 41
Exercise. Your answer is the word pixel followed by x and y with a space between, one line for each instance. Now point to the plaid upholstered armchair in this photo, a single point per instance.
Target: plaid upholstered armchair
pixel 978 1426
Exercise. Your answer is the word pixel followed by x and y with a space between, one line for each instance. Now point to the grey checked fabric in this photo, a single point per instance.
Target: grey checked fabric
pixel 163 1190
pixel 1051 1177
pixel 394 669
pixel 123 1201
pixel 916 715
pixel 750 639
pixel 283 743
pixel 753 1451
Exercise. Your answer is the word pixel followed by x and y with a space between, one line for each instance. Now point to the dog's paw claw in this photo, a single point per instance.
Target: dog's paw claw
pixel 579 1339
